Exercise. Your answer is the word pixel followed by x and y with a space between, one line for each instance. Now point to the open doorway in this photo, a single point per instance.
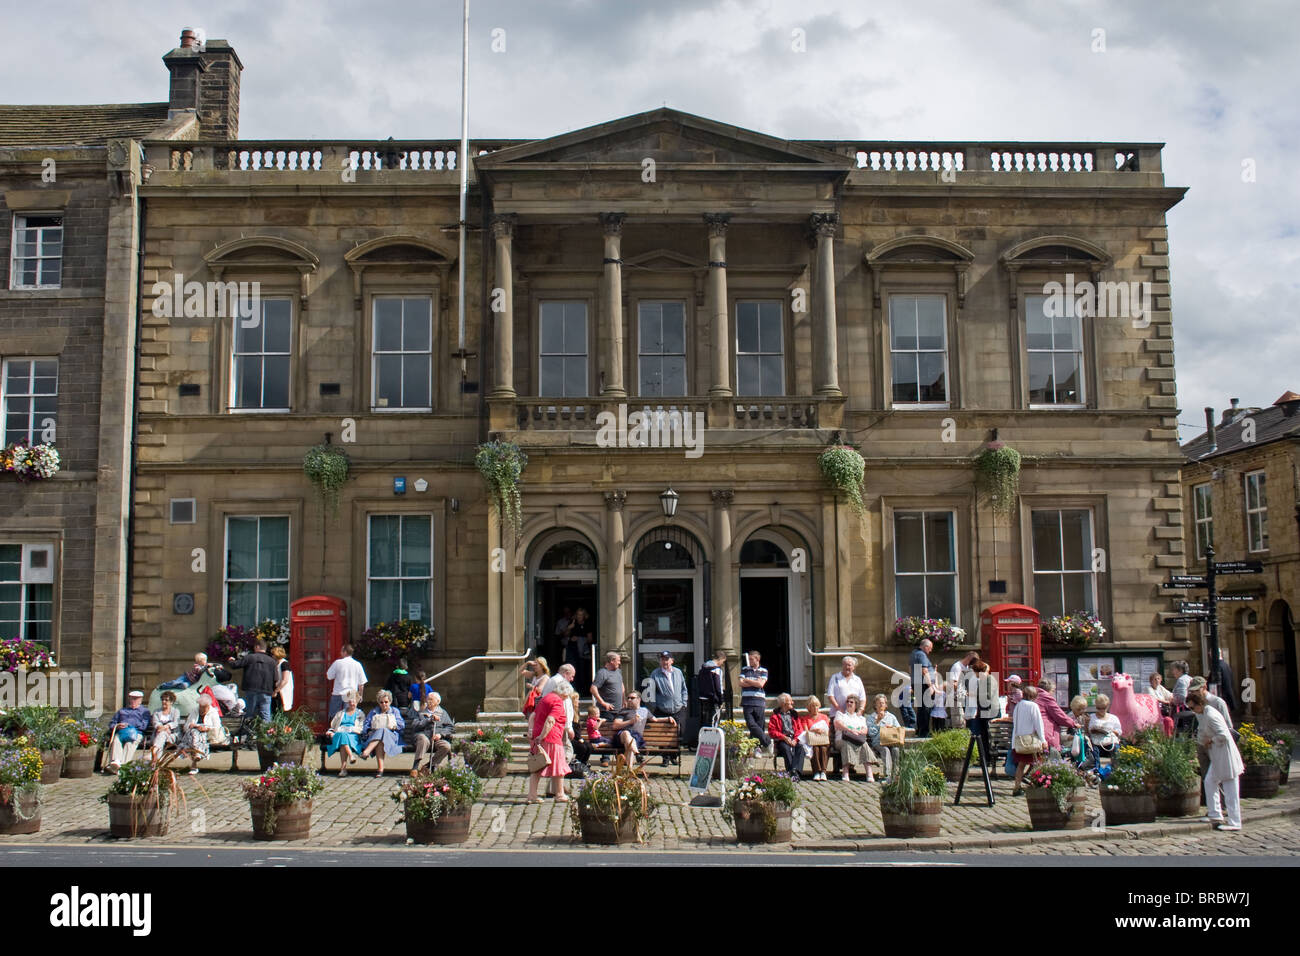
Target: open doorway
pixel 773 611
pixel 565 607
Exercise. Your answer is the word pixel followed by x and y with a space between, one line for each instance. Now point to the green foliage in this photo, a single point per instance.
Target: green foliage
pixel 428 796
pixel 1057 777
pixel 501 463
pixel 914 776
pixel 1172 762
pixel 1129 779
pixel 1256 751
pixel 615 795
pixel 483 747
pixel 845 471
pixel 283 783
pixel 284 728
pixel 45 729
pixel 997 477
pixel 143 777
pixel 390 641
pixel 326 467
pixel 946 745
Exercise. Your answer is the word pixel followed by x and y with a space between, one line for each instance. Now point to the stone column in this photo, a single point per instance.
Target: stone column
pixel 614 630
pixel 717 299
pixel 612 225
pixel 825 349
pixel 503 231
pixel 724 605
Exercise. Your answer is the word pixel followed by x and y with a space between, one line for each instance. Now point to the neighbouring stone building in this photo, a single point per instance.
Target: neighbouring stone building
pixel 786 294
pixel 69 244
pixel 1241 487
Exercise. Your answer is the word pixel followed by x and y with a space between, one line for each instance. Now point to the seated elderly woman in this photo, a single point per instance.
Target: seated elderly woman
pixel 851 739
pixel 201 726
pixel 344 734
pixel 384 726
pixel 165 723
pixel 1104 730
pixel 881 717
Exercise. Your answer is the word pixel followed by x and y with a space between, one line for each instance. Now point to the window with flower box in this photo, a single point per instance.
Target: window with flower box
pixel 31 400
pixel 27 592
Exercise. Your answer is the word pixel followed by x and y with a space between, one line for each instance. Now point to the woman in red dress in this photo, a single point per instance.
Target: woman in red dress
pixel 548 720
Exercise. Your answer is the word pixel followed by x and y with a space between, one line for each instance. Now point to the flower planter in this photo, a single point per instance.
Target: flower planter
pixel 25 818
pixel 598 828
pixel 294 752
pixel 1282 774
pixel 448 829
pixel 952 769
pixel 1185 804
pixel 752 823
pixel 1259 780
pixel 132 816
pixel 923 821
pixel 51 766
pixel 494 768
pixel 79 763
pixel 1045 815
pixel 1122 808
pixel 291 821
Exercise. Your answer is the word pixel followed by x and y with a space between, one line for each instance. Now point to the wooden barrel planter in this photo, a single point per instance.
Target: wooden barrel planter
pixel 1185 804
pixel 923 821
pixel 24 818
pixel 597 828
pixel 1259 780
pixel 78 763
pixel 294 752
pixel 448 829
pixel 1122 808
pixel 291 821
pixel 752 821
pixel 952 769
pixel 1045 815
pixel 136 816
pixel 51 766
pixel 495 768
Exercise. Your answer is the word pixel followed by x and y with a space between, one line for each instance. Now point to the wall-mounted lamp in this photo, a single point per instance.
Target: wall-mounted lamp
pixel 455 505
pixel 669 501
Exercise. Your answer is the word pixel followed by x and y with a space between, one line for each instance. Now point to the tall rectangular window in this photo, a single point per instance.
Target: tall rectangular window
pixel 1064 580
pixel 1256 512
pixel 760 349
pixel 27 592
pixel 1203 514
pixel 257 569
pixel 562 365
pixel 400 569
pixel 918 344
pixel 37 260
pixel 31 399
pixel 925 564
pixel 260 367
pixel 1055 348
pixel 403 353
pixel 662 352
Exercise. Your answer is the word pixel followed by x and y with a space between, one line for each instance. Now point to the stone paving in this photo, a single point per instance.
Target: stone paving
pixel 358 811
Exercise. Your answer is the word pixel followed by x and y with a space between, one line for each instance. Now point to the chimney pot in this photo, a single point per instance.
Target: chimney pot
pixel 1210 433
pixel 189 40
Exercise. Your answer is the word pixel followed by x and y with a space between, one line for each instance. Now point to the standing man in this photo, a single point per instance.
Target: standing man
pixel 578 653
pixel 607 689
pixel 753 699
pixel 923 690
pixel 260 677
pixel 708 688
pixel 670 694
pixel 957 690
pixel 347 675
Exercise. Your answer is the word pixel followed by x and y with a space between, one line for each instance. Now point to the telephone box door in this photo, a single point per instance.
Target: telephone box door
pixel 1011 638
pixel 318 629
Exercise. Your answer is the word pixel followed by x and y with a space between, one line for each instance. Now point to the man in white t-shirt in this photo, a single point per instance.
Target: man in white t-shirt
pixel 347 675
pixel 844 684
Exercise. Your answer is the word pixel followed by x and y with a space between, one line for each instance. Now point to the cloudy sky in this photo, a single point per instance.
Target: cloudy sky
pixel 1216 81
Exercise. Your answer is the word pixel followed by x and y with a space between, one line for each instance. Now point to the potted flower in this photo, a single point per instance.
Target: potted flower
pixel 1172 761
pixel 21 792
pixel 391 641
pixel 17 655
pixel 284 738
pixel 741 747
pixel 233 640
pixel 280 800
pixel 28 462
pixel 1284 742
pixel 1128 792
pixel 947 751
pixel 1056 796
pixel 486 752
pixel 911 803
pixel 613 806
pixel 46 731
pixel 82 742
pixel 143 798
pixel 1263 763
pixel 1078 629
pixel 997 476
pixel 761 808
pixel 943 633
pixel 436 807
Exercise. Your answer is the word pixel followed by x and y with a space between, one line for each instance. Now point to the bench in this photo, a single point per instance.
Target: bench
pixel 662 739
pixel 238 737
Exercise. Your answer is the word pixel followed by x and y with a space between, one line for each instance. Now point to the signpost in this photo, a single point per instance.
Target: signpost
pixel 1207 611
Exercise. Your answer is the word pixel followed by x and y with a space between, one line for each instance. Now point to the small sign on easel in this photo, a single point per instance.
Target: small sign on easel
pixel 710 752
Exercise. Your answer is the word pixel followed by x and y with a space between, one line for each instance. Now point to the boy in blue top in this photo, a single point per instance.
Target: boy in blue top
pixel 753 698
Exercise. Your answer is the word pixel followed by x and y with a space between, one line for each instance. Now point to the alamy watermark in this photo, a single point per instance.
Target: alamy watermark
pixel 1103 300
pixel 66 689
pixel 658 428
pixel 212 299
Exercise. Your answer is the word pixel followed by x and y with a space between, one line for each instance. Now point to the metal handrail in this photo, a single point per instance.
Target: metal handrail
pixel 482 657
pixel 843 654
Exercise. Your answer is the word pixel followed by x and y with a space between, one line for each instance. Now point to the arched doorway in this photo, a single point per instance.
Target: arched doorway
pixel 563 577
pixel 671 581
pixel 776 608
pixel 1284 681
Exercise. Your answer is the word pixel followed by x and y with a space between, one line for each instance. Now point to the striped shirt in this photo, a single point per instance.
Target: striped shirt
pixel 753 693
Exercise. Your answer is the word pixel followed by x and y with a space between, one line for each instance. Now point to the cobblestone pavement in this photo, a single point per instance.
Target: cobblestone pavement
pixel 359 812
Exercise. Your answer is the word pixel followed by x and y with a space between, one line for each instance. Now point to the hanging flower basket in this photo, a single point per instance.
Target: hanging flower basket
pixel 327 469
pixel 845 471
pixel 501 463
pixel 997 476
pixel 29 462
pixel 1077 629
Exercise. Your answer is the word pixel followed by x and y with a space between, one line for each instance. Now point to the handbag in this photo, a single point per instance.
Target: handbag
pixel 853 738
pixel 891 736
pixel 1076 748
pixel 1026 744
pixel 818 738
pixel 539 761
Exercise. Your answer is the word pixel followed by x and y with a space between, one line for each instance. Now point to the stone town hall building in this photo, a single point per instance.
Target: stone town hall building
pixel 786 294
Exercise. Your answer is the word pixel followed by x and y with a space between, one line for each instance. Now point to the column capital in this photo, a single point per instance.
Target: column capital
pixel 722 497
pixel 717 223
pixel 614 500
pixel 503 225
pixel 824 224
pixel 612 223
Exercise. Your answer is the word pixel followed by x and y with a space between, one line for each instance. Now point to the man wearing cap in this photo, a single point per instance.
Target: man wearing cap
pixel 126 730
pixel 670 694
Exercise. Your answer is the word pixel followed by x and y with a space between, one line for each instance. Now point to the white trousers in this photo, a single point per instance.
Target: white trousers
pixel 1229 808
pixel 120 753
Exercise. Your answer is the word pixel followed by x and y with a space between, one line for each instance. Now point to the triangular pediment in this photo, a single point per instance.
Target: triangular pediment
pixel 662 259
pixel 669 137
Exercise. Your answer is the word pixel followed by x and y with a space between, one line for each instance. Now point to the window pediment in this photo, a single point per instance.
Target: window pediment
pixel 921 253
pixel 264 254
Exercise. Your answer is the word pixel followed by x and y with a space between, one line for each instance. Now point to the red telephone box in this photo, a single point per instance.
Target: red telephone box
pixel 1013 642
pixel 318 629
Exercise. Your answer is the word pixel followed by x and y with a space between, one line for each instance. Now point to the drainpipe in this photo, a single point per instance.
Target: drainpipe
pixel 135 448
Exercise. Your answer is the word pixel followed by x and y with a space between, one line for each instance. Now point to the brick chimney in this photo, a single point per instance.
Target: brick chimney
pixel 207 81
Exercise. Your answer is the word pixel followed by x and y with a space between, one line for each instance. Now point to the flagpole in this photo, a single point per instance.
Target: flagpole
pixel 462 160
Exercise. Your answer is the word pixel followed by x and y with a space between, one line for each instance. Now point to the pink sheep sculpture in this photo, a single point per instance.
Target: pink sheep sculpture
pixel 1136 711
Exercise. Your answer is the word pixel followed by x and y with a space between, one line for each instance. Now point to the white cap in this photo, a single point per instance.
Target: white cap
pixel 136 693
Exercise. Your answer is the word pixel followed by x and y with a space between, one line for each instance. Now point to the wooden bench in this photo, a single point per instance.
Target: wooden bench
pixel 662 739
pixel 238 737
